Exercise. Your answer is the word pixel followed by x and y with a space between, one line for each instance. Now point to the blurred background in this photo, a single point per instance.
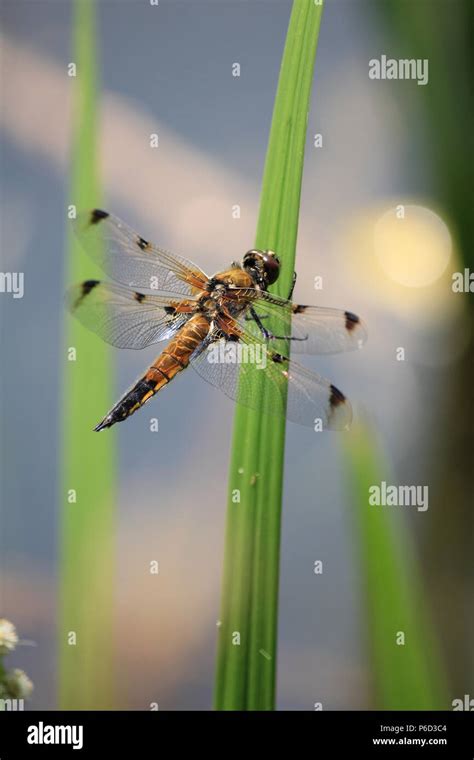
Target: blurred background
pixel 167 70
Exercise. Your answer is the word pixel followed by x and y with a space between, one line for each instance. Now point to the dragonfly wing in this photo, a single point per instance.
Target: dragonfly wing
pixel 124 317
pixel 232 366
pixel 315 330
pixel 133 261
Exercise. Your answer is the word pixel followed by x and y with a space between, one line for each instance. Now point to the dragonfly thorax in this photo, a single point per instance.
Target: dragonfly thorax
pixel 210 304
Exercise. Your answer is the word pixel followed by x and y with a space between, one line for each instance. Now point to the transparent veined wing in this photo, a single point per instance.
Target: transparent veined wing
pixel 126 318
pixel 314 329
pixel 133 261
pixel 230 363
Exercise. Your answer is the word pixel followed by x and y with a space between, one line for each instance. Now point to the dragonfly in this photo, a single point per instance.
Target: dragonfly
pixel 226 326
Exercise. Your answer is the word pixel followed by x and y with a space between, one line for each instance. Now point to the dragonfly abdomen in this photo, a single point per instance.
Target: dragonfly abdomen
pixel 166 366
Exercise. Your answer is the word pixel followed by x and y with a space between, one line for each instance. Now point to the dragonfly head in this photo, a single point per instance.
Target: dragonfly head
pixel 262 266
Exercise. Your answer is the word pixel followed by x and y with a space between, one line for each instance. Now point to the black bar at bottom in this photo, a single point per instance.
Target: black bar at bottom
pixel 151 734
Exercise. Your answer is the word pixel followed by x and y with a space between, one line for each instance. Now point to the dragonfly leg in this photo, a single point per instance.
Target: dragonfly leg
pixel 292 287
pixel 257 319
pixel 268 335
pixel 285 337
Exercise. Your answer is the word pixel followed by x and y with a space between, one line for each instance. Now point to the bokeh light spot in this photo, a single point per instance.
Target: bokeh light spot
pixel 413 245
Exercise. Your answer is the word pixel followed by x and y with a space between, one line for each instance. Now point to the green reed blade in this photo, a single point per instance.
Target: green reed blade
pixel 246 671
pixel 88 458
pixel 406 671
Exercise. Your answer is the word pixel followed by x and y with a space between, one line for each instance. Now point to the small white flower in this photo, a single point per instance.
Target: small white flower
pixel 18 685
pixel 8 636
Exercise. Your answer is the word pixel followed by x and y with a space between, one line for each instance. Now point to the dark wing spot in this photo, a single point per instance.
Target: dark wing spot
pixel 86 288
pixel 351 320
pixel 139 297
pixel 336 397
pixel 170 309
pixel 97 215
pixel 142 243
pixel 88 285
pixel 278 358
pixel 298 308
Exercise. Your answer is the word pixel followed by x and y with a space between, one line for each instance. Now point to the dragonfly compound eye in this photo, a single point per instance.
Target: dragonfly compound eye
pixel 271 265
pixel 264 264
